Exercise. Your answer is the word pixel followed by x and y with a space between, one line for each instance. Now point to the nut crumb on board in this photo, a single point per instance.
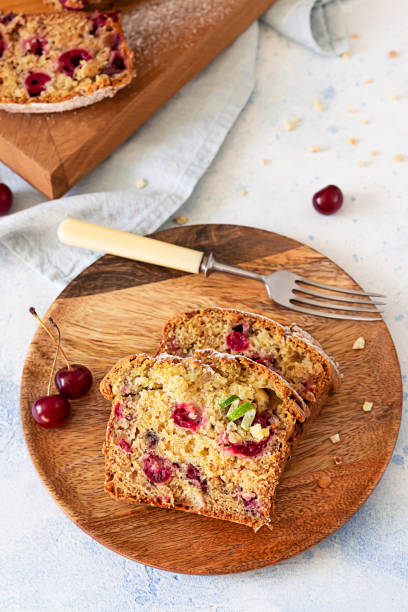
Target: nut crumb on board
pixel 180 220
pixel 352 141
pixel 374 153
pixel 360 163
pixel 351 111
pixel 335 438
pixel 346 54
pixel 394 97
pixel 355 36
pixel 365 121
pixel 368 406
pixel 290 125
pixel 315 149
pixel 369 81
pixel 243 192
pixel 324 481
pixel 141 183
pixel 264 161
pixel 392 53
pixel 318 105
pixel 359 343
pixel 399 157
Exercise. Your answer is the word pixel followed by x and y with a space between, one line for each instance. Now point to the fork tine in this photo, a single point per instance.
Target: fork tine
pixel 337 298
pixel 332 315
pixel 329 306
pixel 339 289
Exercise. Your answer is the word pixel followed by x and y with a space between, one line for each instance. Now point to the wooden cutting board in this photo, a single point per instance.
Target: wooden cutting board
pixel 117 307
pixel 174 43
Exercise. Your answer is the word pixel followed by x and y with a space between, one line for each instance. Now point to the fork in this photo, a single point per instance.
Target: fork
pixel 283 287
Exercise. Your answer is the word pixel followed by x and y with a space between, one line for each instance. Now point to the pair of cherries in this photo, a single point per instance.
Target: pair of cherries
pixel 72 382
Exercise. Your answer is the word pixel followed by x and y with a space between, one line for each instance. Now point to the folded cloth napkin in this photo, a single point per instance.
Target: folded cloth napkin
pixel 315 24
pixel 170 152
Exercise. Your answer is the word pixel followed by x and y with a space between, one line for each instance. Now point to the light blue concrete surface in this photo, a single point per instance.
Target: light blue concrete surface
pixel 48 564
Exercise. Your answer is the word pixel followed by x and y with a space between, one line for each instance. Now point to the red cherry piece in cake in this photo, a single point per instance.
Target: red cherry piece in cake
pixel 187 415
pixel 249 448
pixel 6 199
pixel 328 200
pixel 36 82
pixel 237 342
pixel 243 328
pixel 7 18
pixel 71 60
pixel 250 500
pixel 262 418
pixel 118 412
pixel 192 472
pixel 73 382
pixel 116 64
pixel 35 45
pixel 125 446
pixel 2 46
pixel 157 469
pixel 173 344
pixel 266 360
pixel 97 21
pixel 51 411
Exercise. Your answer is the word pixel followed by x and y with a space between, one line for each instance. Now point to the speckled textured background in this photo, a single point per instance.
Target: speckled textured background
pixel 47 563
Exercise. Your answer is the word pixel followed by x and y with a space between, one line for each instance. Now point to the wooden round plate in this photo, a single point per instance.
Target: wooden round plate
pixel 117 307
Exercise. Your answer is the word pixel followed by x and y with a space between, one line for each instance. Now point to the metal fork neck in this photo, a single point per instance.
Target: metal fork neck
pixel 209 264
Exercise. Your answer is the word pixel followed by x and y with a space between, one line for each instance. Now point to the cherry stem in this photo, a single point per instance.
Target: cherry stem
pixel 35 315
pixel 55 358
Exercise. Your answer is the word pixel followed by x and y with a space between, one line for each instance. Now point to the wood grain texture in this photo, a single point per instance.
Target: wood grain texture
pixel 116 307
pixel 54 151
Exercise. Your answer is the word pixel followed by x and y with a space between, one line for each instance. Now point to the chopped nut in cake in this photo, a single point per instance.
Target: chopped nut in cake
pixel 359 343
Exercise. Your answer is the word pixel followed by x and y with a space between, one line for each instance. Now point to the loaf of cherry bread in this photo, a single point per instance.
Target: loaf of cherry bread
pixel 61 61
pixel 179 435
pixel 290 351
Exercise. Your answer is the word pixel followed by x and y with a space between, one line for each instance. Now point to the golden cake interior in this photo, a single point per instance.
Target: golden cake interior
pixel 152 457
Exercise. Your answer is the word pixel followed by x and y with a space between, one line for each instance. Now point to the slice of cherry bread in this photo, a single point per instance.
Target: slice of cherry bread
pixel 208 435
pixel 290 351
pixel 60 61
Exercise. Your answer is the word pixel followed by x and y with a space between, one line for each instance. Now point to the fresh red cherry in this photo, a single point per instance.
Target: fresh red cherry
pixel 73 382
pixel 51 411
pixel 6 199
pixel 328 200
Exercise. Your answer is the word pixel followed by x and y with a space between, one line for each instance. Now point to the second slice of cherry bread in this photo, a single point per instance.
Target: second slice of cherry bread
pixel 208 434
pixel 290 351
pixel 61 61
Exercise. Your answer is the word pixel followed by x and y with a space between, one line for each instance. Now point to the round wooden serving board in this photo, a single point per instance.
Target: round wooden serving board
pixel 117 307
